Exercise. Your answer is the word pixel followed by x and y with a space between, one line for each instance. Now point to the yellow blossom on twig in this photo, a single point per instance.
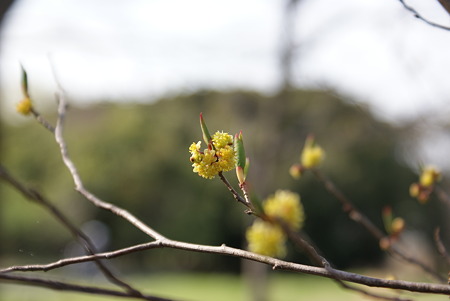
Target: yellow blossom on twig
pixel 285 205
pixel 218 157
pixel 425 186
pixel 312 154
pixel 266 239
pixel 24 106
pixel 296 171
pixel 429 176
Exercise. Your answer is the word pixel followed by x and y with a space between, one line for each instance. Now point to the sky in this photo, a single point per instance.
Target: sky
pixel 373 51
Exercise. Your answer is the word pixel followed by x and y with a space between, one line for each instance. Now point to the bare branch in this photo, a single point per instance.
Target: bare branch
pixel 42 120
pixel 88 258
pixel 363 220
pixel 244 200
pixel 82 238
pixel 442 195
pixel 276 264
pixel 314 255
pixel 79 184
pixel 233 191
pixel 440 246
pixel 419 16
pixel 63 286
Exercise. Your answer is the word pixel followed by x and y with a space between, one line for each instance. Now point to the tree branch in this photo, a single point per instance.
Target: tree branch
pixel 82 238
pixel 440 246
pixel 363 220
pixel 277 264
pixel 80 259
pixel 442 195
pixel 314 255
pixel 419 16
pixel 63 286
pixel 79 184
pixel 42 120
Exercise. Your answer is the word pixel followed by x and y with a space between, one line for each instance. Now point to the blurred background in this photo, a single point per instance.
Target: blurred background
pixel 367 78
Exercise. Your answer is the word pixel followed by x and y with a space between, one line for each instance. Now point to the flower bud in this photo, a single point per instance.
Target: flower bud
pixel 430 175
pixel 25 106
pixel 312 154
pixel 295 171
pixel 24 83
pixel 414 190
pixel 398 225
pixel 206 135
pixel 241 160
pixel 240 175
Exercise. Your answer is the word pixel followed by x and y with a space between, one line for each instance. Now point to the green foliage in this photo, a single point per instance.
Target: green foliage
pixel 136 156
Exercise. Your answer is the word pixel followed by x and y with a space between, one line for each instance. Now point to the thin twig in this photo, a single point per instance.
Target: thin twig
pixel 312 253
pixel 348 206
pixel 82 238
pixel 80 259
pixel 42 120
pixel 442 195
pixel 440 245
pixel 79 184
pixel 363 220
pixel 277 264
pixel 235 194
pixel 419 16
pixel 64 286
pixel 58 133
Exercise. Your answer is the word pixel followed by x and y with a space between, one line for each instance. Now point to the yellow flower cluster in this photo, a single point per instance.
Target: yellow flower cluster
pixel 423 189
pixel 429 176
pixel 24 106
pixel 266 239
pixel 216 158
pixel 312 156
pixel 285 205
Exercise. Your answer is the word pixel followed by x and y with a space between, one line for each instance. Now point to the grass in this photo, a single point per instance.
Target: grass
pixel 210 287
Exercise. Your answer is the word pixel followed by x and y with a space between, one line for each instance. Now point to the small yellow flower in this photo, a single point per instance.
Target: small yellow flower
pixel 429 176
pixel 398 224
pixel 295 171
pixel 195 151
pixel 24 106
pixel 227 158
pixel 312 156
pixel 285 205
pixel 414 190
pixel 210 162
pixel 266 239
pixel 221 140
